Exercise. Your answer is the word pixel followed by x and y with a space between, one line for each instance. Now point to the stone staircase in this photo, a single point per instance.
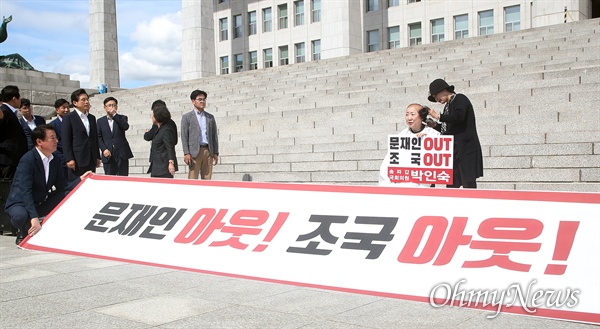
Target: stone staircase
pixel 536 95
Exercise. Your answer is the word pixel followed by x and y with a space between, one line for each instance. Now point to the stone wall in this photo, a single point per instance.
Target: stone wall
pixel 42 88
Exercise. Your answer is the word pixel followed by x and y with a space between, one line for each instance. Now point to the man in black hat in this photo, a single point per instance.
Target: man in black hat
pixel 458 119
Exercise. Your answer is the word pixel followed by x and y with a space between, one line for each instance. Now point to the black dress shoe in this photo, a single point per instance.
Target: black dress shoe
pixel 20 237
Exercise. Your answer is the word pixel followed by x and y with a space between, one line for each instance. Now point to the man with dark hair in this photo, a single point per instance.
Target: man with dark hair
pixel 199 138
pixel 13 143
pixel 114 147
pixel 38 185
pixel 29 121
pixel 80 137
pixel 62 108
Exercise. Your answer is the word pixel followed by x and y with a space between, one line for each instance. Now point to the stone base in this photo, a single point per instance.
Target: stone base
pixel 42 88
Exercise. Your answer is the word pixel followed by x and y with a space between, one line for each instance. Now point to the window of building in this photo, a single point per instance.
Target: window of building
pixel 414 34
pixel 437 30
pixel 512 18
pixel 486 22
pixel 225 65
pixel 299 13
pixel 372 5
pixel 461 26
pixel 316 50
pixel 413 1
pixel 283 16
pixel 372 40
pixel 238 30
pixel 300 55
pixel 268 57
pixel 283 55
pixel 267 20
pixel 394 37
pixel 393 3
pixel 223 35
pixel 253 60
pixel 239 63
pixel 252 23
pixel 316 11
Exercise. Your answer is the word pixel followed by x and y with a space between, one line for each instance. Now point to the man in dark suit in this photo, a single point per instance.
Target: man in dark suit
pixel 62 108
pixel 80 137
pixel 458 119
pixel 114 147
pixel 38 185
pixel 29 121
pixel 13 143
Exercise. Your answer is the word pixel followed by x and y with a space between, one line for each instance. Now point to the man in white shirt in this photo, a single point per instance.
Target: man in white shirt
pixel 39 184
pixel 114 147
pixel 80 137
pixel 29 121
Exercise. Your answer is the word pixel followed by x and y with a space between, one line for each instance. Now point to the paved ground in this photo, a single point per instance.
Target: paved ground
pixel 47 290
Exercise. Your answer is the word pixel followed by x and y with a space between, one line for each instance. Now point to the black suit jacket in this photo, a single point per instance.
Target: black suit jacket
pixel 38 120
pixel 29 187
pixel 13 143
pixel 150 133
pixel 58 130
pixel 77 145
pixel 162 150
pixel 114 140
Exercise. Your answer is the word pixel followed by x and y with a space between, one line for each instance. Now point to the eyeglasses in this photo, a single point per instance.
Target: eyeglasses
pixel 200 99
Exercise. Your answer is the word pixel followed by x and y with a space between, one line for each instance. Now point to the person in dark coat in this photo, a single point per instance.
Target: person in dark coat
pixel 114 147
pixel 62 108
pixel 39 184
pixel 13 143
pixel 29 121
pixel 163 160
pixel 458 119
pixel 80 137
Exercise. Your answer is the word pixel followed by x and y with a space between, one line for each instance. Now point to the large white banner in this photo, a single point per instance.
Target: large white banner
pixel 531 253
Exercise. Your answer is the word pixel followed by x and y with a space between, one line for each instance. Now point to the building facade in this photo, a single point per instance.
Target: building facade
pixel 259 34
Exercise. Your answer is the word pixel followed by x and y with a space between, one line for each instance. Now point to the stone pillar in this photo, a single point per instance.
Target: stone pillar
pixel 198 40
pixel 342 31
pixel 104 46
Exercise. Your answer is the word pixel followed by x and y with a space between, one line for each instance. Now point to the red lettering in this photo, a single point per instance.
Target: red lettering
pixel 436 159
pixel 438 226
pixel 184 236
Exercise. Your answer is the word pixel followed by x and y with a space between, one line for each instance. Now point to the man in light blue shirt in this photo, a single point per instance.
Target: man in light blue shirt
pixel 199 138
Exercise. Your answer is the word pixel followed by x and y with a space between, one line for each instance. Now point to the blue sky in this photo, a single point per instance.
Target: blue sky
pixel 52 35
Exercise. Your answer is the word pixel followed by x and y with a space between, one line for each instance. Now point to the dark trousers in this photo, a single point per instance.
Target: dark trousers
pixel 458 174
pixel 19 217
pixel 167 175
pixel 116 167
pixel 74 174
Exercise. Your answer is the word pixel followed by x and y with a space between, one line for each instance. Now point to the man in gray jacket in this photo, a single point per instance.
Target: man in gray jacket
pixel 199 138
